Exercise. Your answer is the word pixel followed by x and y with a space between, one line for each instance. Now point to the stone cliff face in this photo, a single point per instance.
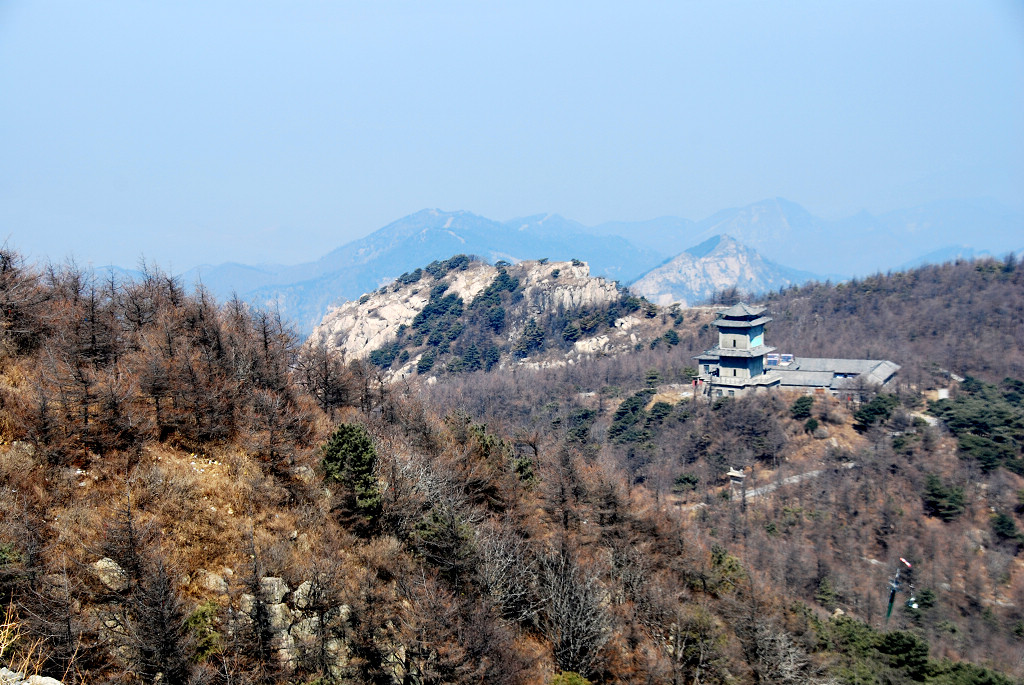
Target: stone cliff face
pixel 360 327
pixel 571 289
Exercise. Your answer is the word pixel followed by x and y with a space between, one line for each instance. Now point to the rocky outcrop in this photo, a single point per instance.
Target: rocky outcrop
pixel 295 624
pixel 565 285
pixel 359 328
pixel 110 574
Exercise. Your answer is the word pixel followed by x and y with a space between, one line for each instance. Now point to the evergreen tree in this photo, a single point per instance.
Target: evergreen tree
pixel 941 501
pixel 350 459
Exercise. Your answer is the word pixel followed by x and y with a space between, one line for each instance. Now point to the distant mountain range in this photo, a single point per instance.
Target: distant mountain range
pixel 781 232
pixel 304 293
pixel 786 233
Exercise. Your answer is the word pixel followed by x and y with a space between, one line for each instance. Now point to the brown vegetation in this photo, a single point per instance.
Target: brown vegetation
pixel 175 509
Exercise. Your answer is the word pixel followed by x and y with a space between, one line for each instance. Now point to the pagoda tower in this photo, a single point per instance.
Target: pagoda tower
pixel 737 363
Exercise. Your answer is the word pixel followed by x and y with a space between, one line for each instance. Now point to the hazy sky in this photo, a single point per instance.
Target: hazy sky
pixel 193 132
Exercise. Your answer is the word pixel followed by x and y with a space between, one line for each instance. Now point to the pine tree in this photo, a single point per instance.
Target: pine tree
pixel 350 459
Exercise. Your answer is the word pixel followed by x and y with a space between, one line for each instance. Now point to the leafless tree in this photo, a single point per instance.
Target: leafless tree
pixel 574 617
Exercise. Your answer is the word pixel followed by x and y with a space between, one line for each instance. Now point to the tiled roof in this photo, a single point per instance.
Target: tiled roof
pixel 740 352
pixel 823 372
pixel 733 323
pixel 742 310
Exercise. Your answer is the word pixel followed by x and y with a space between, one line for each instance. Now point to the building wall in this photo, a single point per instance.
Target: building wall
pixel 757 336
pixel 734 340
pixel 732 367
pixel 741 338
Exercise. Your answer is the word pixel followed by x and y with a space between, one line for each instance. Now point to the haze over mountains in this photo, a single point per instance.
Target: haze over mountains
pixel 786 239
pixel 717 264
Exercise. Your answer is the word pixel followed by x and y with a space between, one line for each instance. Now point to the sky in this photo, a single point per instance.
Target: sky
pixel 203 132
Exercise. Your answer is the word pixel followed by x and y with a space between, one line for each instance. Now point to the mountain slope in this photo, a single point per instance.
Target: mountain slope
pixel 666 235
pixel 464 315
pixel 779 230
pixel 304 293
pixel 785 232
pixel 717 264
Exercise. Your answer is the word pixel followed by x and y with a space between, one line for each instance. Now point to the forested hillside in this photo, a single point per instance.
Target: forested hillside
pixel 189 495
pixel 963 317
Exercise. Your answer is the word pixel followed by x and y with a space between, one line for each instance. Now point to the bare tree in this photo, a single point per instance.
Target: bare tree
pixel 509 572
pixel 574 617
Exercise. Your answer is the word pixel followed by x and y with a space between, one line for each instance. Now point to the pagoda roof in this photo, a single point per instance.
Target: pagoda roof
pixel 758 351
pixel 717 352
pixel 733 323
pixel 742 311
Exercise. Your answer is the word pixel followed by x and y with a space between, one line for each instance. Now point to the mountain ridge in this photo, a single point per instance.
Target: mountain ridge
pixel 780 230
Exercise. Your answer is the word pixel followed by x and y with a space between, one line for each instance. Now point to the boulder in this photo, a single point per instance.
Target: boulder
pixel 212 582
pixel 300 598
pixel 110 574
pixel 274 589
pixel 280 617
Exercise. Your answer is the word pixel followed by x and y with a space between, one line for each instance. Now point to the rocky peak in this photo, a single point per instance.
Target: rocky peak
pixel 360 327
pixel 717 264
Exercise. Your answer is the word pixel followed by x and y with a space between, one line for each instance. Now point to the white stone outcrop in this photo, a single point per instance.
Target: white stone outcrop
pixel 273 589
pixel 363 326
pixel 293 628
pixel 571 289
pixel 358 328
pixel 212 582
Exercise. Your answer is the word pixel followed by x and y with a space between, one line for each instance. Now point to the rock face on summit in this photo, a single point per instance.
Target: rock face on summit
pixel 716 264
pixel 357 328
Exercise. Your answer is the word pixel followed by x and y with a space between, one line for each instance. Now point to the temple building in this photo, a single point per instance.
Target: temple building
pixel 742 362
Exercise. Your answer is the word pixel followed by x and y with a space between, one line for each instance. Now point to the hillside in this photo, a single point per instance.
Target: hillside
pixel 304 293
pixel 719 263
pixel 189 495
pixel 962 317
pixel 463 315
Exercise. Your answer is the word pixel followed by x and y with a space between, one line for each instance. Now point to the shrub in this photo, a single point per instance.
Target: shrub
pixel 801 408
pixel 568 678
pixel 1004 527
pixel 350 458
pixel 942 501
pixel 685 482
pixel 878 410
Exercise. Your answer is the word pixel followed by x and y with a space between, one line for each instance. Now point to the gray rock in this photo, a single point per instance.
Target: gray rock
pixel 280 617
pixel 246 603
pixel 304 473
pixel 42 680
pixel 274 589
pixel 305 630
pixel 212 581
pixel 110 574
pixel 300 598
pixel 9 677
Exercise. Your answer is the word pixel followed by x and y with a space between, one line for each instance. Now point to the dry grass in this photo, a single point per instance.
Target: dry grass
pixel 20 655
